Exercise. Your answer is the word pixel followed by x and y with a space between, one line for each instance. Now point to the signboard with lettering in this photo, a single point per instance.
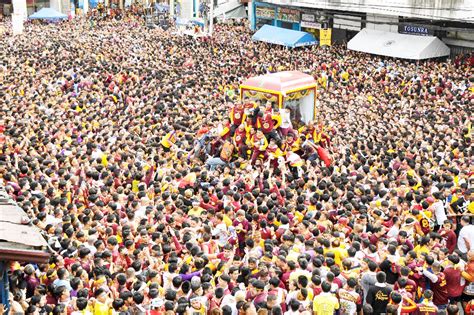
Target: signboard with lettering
pixel 309 21
pixel 288 15
pixel 415 30
pixel 265 12
pixel 325 36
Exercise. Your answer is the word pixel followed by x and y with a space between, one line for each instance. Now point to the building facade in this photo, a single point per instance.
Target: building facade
pixel 451 21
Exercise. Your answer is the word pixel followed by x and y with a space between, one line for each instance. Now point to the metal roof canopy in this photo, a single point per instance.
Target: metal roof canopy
pixel 398 45
pixel 18 241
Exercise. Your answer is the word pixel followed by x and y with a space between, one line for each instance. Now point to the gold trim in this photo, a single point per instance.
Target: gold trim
pixel 307 87
pixel 251 88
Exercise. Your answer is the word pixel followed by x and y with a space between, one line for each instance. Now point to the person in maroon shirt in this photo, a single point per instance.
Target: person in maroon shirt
pixel 265 231
pixel 242 227
pixel 216 299
pixel 261 295
pixel 438 284
pixel 453 279
pixel 406 284
pixel 376 235
pixel 275 288
pixel 288 268
pixel 448 235
pixel 31 280
pixel 427 307
pixel 234 275
pixel 227 254
pixel 403 239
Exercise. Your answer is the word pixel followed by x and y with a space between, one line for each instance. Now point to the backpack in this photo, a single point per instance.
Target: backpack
pixel 226 152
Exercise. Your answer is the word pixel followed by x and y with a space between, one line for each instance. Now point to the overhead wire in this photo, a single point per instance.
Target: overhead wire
pixel 468 19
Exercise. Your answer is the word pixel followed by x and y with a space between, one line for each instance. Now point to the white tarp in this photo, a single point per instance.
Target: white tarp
pixel 398 45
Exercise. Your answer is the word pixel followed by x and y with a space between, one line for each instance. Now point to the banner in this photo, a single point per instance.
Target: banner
pixel 162 20
pixel 265 12
pixel 288 15
pixel 309 21
pixel 325 37
pixel 415 30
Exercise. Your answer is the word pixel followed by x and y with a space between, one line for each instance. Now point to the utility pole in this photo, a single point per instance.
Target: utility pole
pixel 250 8
pixel 85 7
pixel 211 17
pixel 171 9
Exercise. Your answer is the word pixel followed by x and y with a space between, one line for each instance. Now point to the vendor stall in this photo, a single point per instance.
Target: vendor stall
pixel 288 89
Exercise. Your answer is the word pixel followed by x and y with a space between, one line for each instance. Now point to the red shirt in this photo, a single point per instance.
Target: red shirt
pixel 411 287
pixel 266 233
pixel 451 240
pixel 235 205
pixel 221 256
pixel 237 115
pixel 453 281
pixel 266 123
pixel 240 137
pixel 426 309
pixel 440 290
pixel 374 239
pixel 317 291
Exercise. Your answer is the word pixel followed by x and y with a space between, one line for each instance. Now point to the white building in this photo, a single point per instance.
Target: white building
pixel 452 21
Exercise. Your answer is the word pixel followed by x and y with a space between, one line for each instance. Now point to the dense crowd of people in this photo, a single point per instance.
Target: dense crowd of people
pixel 123 146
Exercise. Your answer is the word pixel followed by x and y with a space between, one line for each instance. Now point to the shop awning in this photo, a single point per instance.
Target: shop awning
pixel 398 45
pixel 48 14
pixel 282 36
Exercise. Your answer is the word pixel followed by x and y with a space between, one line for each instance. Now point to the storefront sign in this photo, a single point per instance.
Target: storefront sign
pixel 325 36
pixel 415 30
pixel 265 13
pixel 309 21
pixel 288 15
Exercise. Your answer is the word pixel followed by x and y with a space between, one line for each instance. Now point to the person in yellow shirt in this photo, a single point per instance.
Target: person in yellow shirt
pixel 195 211
pixel 196 306
pixel 226 219
pixel 169 140
pixel 325 303
pixel 292 143
pixel 83 308
pixel 102 305
pixel 339 253
pixel 345 77
pixel 423 247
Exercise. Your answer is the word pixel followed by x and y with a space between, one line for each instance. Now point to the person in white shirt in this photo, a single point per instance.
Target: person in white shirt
pixel 230 301
pixel 439 209
pixel 220 230
pixel 393 232
pixel 368 276
pixel 466 235
pixel 286 124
